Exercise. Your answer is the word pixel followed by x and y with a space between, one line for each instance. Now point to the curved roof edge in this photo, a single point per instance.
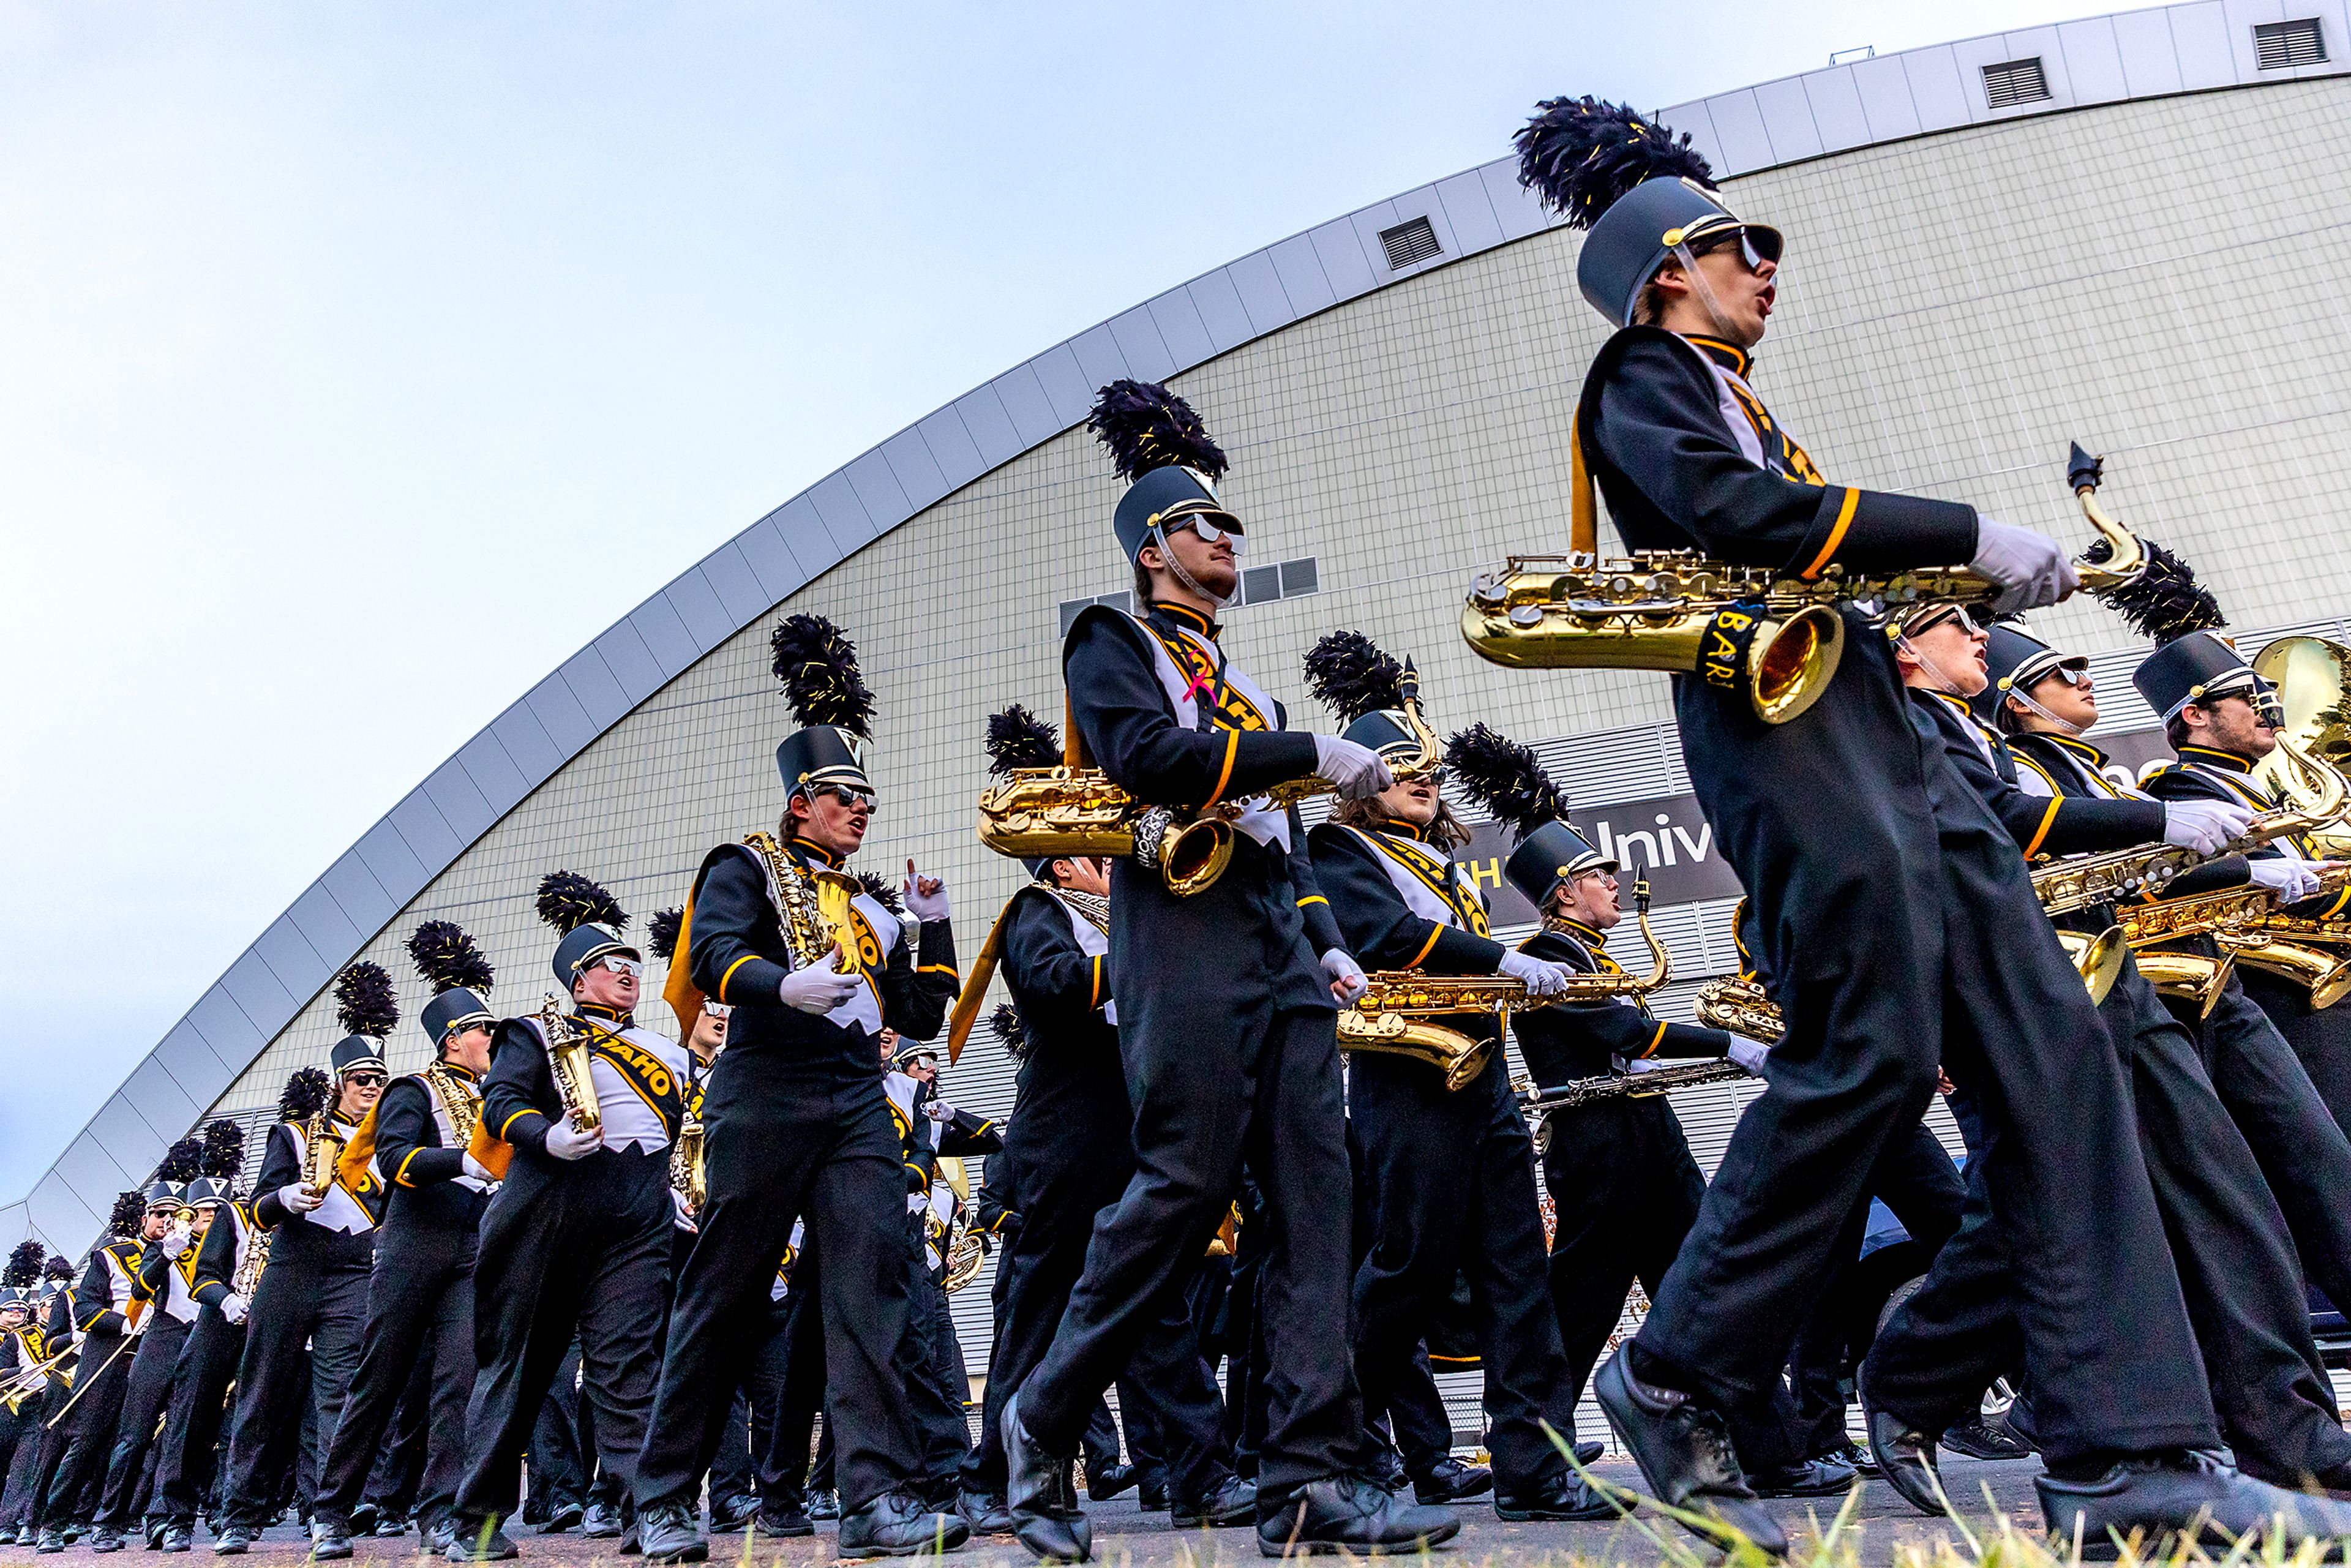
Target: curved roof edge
pixel 2139 54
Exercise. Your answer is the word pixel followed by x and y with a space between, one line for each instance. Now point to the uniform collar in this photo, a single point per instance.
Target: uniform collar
pixel 1958 704
pixel 2215 759
pixel 2081 749
pixel 1396 829
pixel 808 849
pixel 1184 616
pixel 461 1070
pixel 1590 937
pixel 603 1014
pixel 1729 356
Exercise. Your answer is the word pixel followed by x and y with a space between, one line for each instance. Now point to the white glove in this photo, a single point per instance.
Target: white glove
pixel 684 1220
pixel 1748 1055
pixel 234 1307
pixel 299 1199
pixel 176 1241
pixel 1543 977
pixel 1346 976
pixel 938 1110
pixel 1358 770
pixel 819 988
pixel 2031 567
pixel 474 1168
pixel 2203 825
pixel 2292 880
pixel 566 1142
pixel 923 906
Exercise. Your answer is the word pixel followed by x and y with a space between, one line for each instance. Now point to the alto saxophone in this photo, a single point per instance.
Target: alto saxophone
pixel 1055 812
pixel 323 1142
pixel 1742 1007
pixel 568 1057
pixel 1394 1011
pixel 255 1259
pixel 687 1172
pixel 1778 637
pixel 460 1098
pixel 813 908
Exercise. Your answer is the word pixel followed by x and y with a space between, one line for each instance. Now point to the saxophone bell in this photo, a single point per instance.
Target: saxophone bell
pixel 2097 959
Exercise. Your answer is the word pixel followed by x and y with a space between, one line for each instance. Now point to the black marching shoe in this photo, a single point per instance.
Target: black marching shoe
pixel 1041 1495
pixel 1151 1499
pixel 478 1541
pixel 985 1512
pixel 824 1504
pixel 1805 1478
pixel 440 1536
pixel 389 1524
pixel 2160 1495
pixel 734 1516
pixel 1450 1480
pixel 1350 1514
pixel 1589 1453
pixel 1112 1480
pixel 895 1525
pixel 1982 1439
pixel 785 1517
pixel 329 1538
pixel 54 1540
pixel 153 1530
pixel 178 1536
pixel 671 1532
pixel 105 1537
pixel 1684 1450
pixel 599 1520
pixel 1233 1502
pixel 566 1516
pixel 1561 1497
pixel 1906 1458
pixel 362 1519
pixel 1852 1453
pixel 234 1539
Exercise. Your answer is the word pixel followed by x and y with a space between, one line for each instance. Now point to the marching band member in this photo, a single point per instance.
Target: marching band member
pixel 576 1237
pixel 798 1126
pixel 2234 1260
pixel 1070 1154
pixel 186 1457
pixel 1901 929
pixel 104 1317
pixel 161 1288
pixel 421 1294
pixel 1450 1172
pixel 23 1346
pixel 1226 1008
pixel 29 1483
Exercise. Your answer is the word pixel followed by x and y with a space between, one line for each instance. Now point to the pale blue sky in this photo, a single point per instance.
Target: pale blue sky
pixel 359 362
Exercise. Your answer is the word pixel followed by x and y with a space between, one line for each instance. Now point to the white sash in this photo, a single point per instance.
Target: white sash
pixel 1262 821
pixel 1418 896
pixel 1093 943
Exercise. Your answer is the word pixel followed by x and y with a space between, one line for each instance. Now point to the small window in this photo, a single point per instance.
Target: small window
pixel 1299 577
pixel 2281 46
pixel 2015 82
pixel 1409 244
pixel 1071 607
pixel 1278 579
pixel 1260 583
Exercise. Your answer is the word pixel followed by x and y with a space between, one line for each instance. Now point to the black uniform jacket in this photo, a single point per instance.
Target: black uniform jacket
pixel 426 1197
pixel 1261 929
pixel 297 1241
pixel 1383 931
pixel 2202 773
pixel 1074 1107
pixel 738 956
pixel 2041 824
pixel 2073 768
pixel 216 1258
pixel 95 1309
pixel 1569 1040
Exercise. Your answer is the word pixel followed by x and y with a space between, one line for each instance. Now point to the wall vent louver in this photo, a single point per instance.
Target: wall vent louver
pixel 2015 82
pixel 1409 245
pixel 2282 46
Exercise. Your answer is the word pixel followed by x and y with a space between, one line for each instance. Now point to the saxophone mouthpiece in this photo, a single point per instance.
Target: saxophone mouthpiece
pixel 1640 885
pixel 2083 472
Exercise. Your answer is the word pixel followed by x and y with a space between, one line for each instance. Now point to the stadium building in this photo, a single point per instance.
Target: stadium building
pixel 2127 231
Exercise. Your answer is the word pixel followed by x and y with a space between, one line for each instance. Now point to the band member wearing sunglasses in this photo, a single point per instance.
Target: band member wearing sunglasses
pixel 421 1297
pixel 314 1290
pixel 2233 1257
pixel 798 1126
pixel 1226 1003
pixel 1893 914
pixel 576 1237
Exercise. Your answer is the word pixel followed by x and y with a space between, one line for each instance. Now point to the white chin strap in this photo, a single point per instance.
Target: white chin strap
pixel 1186 578
pixel 1705 291
pixel 2067 725
pixel 1942 681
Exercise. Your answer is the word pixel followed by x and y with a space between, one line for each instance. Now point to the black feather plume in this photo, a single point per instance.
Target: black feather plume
pixel 23 1265
pixel 1349 674
pixel 58 1266
pixel 1146 426
pixel 1579 154
pixel 1011 1030
pixel 818 668
pixel 2167 603
pixel 224 1150
pixel 884 891
pixel 445 956
pixel 1017 738
pixel 130 1210
pixel 660 933
pixel 305 1094
pixel 365 1002
pixel 183 1162
pixel 1503 776
pixel 567 901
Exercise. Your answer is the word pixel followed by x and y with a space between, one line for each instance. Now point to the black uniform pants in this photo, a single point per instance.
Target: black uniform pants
pixel 145 1398
pixel 928 1374
pixel 27 1475
pixel 1899 925
pixel 585 1250
pixel 49 1454
pixel 100 1383
pixel 292 1306
pixel 2302 1150
pixel 780 1445
pixel 1454 1189
pixel 420 1305
pixel 2243 1289
pixel 776 1150
pixel 188 1460
pixel 2321 1037
pixel 1417 1421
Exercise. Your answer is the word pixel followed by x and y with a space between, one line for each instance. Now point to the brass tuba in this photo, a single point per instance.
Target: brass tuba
pixel 2313 677
pixel 1676 610
pixel 568 1056
pixel 1394 1013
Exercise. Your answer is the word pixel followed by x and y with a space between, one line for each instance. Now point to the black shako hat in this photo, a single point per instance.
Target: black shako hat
pixel 1019 739
pixel 1363 688
pixel 460 978
pixel 1164 454
pixel 1503 776
pixel 1641 191
pixel 368 1010
pixel 829 699
pixel 2015 661
pixel 589 920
